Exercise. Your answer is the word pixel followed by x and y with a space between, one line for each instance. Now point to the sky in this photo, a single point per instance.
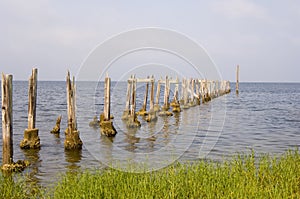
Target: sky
pixel 263 37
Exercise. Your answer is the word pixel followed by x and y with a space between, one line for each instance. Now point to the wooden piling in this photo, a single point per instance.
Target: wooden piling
pixel 175 103
pixel 165 108
pixel 31 138
pixel 156 106
pixel 197 92
pixel 72 140
pixel 106 125
pixel 184 85
pixel 237 79
pixel 143 110
pixel 127 106
pixel 152 113
pixel 132 119
pixel 7 120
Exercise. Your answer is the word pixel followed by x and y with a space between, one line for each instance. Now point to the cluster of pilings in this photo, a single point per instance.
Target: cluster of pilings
pixel 31 138
pixel 193 92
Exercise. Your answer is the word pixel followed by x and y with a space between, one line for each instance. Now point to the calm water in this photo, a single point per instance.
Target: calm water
pixel 264 117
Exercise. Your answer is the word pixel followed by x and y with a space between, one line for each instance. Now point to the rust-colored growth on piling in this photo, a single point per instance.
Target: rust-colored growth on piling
pixel 31 134
pixel 56 128
pixel 106 125
pixel 72 140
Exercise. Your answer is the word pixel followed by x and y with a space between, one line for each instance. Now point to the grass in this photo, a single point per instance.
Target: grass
pixel 244 176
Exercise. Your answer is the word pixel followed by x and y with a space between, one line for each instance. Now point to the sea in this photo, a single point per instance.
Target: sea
pixel 263 117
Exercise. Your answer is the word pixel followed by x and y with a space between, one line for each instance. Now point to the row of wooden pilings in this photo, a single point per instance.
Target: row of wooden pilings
pixel 193 92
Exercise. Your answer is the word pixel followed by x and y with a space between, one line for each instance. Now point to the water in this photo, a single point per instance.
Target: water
pixel 264 117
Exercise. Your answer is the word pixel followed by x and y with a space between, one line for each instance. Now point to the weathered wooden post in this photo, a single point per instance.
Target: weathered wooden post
pixel 156 106
pixel 7 120
pixel 143 110
pixel 152 113
pixel 8 165
pixel 175 103
pixel 31 138
pixel 72 140
pixel 197 92
pixel 56 128
pixel 228 89
pixel 192 92
pixel 132 119
pixel 106 126
pixel 237 79
pixel 165 108
pixel 127 106
pixel 184 85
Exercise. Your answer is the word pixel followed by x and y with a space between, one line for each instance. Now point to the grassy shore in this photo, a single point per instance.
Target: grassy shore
pixel 241 177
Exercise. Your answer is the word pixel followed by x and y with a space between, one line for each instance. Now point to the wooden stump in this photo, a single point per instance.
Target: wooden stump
pixel 143 110
pixel 56 128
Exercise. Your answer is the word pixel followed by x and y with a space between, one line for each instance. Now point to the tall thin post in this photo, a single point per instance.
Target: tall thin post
pixel 107 99
pixel 7 118
pixel 31 138
pixel 166 106
pixel 72 140
pixel 143 110
pixel 152 94
pixel 132 119
pixel 106 124
pixel 152 112
pixel 156 106
pixel 127 106
pixel 237 79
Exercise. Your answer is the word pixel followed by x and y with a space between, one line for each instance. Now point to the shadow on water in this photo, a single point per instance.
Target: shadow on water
pixel 73 157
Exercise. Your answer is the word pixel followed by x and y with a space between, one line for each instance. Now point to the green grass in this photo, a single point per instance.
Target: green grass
pixel 242 177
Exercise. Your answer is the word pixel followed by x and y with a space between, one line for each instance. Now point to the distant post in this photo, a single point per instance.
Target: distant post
pixel 175 103
pixel 31 138
pixel 72 140
pixel 237 79
pixel 7 119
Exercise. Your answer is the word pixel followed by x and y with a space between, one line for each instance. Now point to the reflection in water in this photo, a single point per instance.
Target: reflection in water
pixel 106 144
pixel 131 139
pixel 33 156
pixel 73 157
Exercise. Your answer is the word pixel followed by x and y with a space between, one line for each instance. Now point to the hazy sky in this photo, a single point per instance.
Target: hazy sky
pixel 263 37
